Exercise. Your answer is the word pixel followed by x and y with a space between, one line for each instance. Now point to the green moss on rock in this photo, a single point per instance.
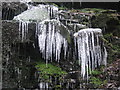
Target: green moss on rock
pixel 97 82
pixel 47 70
pixel 112 44
pixel 95 72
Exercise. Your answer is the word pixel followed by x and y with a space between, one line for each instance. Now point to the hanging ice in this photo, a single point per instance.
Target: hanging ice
pixel 47 31
pixel 23 30
pixel 34 14
pixel 91 52
pixel 50 40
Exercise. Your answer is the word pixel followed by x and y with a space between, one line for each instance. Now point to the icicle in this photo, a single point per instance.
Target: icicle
pixel 23 30
pixel 105 57
pixel 65 48
pixel 80 3
pixel 75 45
pixel 50 40
pixel 90 53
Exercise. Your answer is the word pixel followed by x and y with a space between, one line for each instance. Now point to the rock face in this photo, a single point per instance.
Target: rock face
pixel 19 56
pixel 11 31
pixel 82 4
pixel 113 72
pixel 108 21
pixel 10 37
pixel 18 66
pixel 11 9
pixel 19 53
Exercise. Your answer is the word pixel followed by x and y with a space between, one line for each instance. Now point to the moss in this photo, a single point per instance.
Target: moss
pixel 88 10
pixel 58 87
pixel 92 10
pixel 113 46
pixel 47 70
pixel 63 8
pixel 116 47
pixel 97 82
pixel 102 18
pixel 97 77
pixel 95 72
pixel 108 35
pixel 53 4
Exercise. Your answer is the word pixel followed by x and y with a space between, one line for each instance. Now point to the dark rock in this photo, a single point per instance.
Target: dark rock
pixel 11 9
pixel 10 31
pixel 18 57
pixel 109 23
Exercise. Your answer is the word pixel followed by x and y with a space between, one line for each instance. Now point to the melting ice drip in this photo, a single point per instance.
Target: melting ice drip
pixel 91 53
pixel 50 40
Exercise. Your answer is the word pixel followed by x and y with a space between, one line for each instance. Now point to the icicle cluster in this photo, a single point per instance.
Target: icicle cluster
pixel 52 10
pixel 47 31
pixel 35 13
pixel 50 40
pixel 91 53
pixel 90 49
pixel 23 30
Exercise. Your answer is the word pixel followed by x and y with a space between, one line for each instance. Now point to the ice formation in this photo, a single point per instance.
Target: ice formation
pixel 50 40
pixel 38 13
pixel 47 30
pixel 23 30
pixel 34 14
pixel 90 49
